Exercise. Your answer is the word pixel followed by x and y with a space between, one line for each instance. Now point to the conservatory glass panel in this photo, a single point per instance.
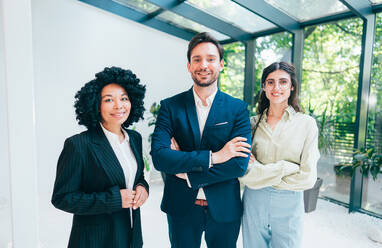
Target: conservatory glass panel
pixel 140 5
pixel 372 189
pixel 376 1
pixel 231 80
pixel 180 21
pixel 233 13
pixel 303 10
pixel 329 93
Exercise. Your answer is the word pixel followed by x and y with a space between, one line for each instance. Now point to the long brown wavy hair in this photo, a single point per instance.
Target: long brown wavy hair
pixel 293 98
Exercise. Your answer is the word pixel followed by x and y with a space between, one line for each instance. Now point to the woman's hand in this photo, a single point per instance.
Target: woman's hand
pixel 127 197
pixel 141 196
pixel 233 148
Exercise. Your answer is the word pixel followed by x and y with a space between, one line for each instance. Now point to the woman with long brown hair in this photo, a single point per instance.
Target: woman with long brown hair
pixel 283 163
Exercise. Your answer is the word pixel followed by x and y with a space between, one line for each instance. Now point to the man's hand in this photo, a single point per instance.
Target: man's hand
pixel 174 145
pixel 237 147
pixel 182 176
pixel 252 158
pixel 141 196
pixel 127 197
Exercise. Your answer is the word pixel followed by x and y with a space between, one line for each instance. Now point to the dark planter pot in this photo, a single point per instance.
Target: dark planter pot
pixel 311 196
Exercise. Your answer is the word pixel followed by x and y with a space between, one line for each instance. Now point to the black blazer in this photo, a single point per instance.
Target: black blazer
pixel 88 182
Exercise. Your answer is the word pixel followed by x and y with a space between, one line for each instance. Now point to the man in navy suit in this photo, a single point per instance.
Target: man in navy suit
pixel 201 141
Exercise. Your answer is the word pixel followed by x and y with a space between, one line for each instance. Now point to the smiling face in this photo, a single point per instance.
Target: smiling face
pixel 278 87
pixel 205 64
pixel 115 105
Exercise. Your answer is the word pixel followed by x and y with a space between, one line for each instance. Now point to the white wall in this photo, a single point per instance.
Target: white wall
pixel 71 42
pixel 5 198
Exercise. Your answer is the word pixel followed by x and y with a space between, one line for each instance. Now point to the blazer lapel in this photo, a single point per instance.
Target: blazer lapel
pixel 107 158
pixel 214 111
pixel 138 157
pixel 193 117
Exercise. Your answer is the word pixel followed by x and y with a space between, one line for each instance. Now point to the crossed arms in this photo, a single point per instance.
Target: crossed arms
pixel 229 162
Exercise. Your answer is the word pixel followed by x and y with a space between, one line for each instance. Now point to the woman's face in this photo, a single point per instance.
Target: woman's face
pixel 115 105
pixel 277 87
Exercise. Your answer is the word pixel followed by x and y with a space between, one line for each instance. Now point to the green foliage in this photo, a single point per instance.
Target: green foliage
pixel 331 68
pixel 232 78
pixel 154 110
pixel 146 161
pixel 366 160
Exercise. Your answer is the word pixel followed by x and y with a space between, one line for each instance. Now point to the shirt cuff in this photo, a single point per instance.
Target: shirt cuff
pixel 210 164
pixel 188 181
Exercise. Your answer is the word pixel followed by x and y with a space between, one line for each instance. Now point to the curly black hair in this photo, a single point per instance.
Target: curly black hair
pixel 88 98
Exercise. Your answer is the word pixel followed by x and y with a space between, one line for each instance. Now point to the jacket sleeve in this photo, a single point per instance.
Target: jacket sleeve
pixel 233 168
pixel 141 180
pixel 170 161
pixel 67 194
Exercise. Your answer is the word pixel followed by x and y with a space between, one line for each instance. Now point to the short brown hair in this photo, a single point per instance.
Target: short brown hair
pixel 201 38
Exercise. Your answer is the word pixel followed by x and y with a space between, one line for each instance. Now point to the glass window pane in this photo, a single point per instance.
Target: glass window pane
pixel 140 5
pixel 303 10
pixel 329 92
pixel 232 78
pixel 269 49
pixel 233 13
pixel 184 23
pixel 372 190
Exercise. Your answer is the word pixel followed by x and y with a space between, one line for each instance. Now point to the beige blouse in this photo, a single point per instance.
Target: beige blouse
pixel 286 157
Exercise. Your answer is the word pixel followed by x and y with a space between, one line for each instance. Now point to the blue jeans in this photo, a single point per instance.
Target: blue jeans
pixel 272 218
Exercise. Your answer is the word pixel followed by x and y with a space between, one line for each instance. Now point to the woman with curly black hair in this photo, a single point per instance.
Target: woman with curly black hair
pixel 100 171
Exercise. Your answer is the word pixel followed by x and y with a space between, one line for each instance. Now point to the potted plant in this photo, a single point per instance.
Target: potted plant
pixel 367 160
pixel 324 145
pixel 154 110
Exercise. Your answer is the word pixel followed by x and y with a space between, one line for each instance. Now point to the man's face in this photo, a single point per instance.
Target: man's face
pixel 205 64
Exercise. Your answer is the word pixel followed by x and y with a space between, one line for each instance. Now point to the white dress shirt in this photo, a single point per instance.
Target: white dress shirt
pixel 202 112
pixel 125 157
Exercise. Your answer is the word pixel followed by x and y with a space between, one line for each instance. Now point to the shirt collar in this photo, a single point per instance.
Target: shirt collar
pixel 209 99
pixel 112 136
pixel 288 114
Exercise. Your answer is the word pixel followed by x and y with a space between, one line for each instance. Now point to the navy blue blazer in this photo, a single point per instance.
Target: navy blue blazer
pixel 227 119
pixel 88 182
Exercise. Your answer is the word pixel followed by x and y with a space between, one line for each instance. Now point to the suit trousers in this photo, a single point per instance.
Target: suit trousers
pixel 272 218
pixel 186 232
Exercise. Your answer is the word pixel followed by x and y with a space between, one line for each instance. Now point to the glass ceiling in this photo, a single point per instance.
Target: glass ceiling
pixel 233 13
pixel 303 10
pixel 227 20
pixel 184 23
pixel 140 5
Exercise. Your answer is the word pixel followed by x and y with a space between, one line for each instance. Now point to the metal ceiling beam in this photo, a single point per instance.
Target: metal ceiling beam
pixel 361 8
pixel 270 13
pixel 190 12
pixel 169 5
pixel 134 15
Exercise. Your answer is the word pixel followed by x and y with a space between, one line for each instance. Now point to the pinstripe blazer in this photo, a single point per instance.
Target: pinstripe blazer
pixel 88 182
